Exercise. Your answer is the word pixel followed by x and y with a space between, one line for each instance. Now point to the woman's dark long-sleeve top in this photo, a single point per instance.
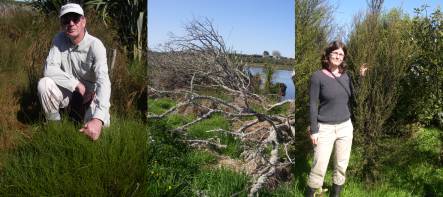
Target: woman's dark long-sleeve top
pixel 328 99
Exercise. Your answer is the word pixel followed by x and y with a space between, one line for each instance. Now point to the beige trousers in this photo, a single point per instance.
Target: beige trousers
pixel 53 97
pixel 331 136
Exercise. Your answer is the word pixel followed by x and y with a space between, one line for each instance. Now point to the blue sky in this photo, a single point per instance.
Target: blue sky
pixel 248 26
pixel 347 9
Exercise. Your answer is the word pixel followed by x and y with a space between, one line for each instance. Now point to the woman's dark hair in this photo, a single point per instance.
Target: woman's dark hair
pixel 328 50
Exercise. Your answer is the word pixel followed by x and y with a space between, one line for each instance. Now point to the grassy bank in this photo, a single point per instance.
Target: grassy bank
pixel 129 159
pixel 58 160
pixel 132 159
pixel 408 166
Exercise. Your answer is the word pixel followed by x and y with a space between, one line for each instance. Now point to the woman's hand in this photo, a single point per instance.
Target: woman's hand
pixel 314 138
pixel 363 69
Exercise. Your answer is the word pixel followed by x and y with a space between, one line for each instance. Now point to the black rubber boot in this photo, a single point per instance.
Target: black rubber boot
pixel 310 192
pixel 336 189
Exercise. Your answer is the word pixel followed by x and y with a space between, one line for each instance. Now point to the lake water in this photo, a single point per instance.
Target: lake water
pixel 279 76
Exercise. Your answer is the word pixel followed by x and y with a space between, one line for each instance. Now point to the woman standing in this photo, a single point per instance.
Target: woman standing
pixel 330 123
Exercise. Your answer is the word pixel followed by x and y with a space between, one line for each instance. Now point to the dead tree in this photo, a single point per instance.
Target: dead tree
pixel 202 60
pixel 375 6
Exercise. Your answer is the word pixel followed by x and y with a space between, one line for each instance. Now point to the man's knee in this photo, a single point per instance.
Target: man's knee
pixel 44 85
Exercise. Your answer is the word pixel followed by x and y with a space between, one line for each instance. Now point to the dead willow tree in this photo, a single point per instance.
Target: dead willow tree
pixel 200 60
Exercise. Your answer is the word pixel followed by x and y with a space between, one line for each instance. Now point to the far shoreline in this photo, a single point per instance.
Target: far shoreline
pixel 275 66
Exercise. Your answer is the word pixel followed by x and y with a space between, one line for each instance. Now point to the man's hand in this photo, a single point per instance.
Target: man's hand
pixel 80 88
pixel 93 128
pixel 87 95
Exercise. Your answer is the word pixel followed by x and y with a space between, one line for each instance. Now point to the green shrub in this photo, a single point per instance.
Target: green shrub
pixel 378 40
pixel 422 99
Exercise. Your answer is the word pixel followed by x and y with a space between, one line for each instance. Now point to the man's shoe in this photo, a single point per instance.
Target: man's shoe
pixel 310 192
pixel 336 189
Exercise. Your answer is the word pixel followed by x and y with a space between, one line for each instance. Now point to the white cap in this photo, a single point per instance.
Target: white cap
pixel 71 7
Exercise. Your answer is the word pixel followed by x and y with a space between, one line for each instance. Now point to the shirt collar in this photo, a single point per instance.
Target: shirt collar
pixel 82 44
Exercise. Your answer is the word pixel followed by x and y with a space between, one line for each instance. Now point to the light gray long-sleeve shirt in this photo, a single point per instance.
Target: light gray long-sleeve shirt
pixel 328 100
pixel 68 64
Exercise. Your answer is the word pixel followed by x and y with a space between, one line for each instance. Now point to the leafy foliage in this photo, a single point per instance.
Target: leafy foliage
pixel 130 18
pixel 422 98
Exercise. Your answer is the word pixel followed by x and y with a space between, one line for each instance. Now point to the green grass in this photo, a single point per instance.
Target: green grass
pixel 179 170
pixel 158 106
pixel 413 164
pixel 220 182
pixel 59 160
pixel 128 159
pixel 132 159
pixel 199 131
pixel 219 93
pixel 353 187
pixel 409 167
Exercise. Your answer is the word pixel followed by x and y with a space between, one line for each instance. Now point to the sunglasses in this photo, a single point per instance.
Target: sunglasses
pixel 67 18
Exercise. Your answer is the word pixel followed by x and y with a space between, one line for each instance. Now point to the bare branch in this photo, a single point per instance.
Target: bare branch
pixel 226 131
pixel 278 104
pixel 205 142
pixel 199 61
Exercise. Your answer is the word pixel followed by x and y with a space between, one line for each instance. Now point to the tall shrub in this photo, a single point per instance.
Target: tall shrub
pixel 312 28
pixel 381 41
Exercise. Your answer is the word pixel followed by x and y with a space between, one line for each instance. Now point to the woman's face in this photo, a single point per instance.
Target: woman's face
pixel 336 57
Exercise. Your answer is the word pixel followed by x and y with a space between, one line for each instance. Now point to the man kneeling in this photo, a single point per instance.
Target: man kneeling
pixel 76 74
